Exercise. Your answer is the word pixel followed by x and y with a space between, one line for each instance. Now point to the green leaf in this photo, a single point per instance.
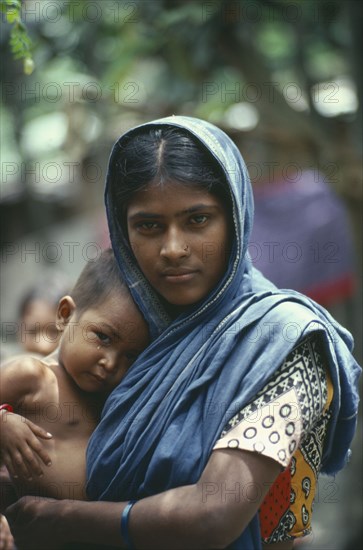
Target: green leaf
pixel 19 41
pixel 28 66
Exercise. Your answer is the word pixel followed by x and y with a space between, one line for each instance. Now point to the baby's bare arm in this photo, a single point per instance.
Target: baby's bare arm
pixel 20 448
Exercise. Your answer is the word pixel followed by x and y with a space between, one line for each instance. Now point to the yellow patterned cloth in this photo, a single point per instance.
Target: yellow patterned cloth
pixel 287 421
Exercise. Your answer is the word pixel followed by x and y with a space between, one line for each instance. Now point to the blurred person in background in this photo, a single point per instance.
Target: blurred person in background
pixel 37 312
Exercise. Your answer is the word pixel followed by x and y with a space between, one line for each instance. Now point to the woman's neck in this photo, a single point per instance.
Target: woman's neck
pixel 173 310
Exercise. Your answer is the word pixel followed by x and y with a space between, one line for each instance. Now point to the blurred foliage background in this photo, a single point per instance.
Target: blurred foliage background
pixel 283 78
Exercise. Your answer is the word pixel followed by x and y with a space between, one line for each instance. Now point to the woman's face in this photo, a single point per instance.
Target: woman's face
pixel 180 238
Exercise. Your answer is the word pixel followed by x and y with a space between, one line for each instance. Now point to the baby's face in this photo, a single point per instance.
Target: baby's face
pixel 38 331
pixel 99 345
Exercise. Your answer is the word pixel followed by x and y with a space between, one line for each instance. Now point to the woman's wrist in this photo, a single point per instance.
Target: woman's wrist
pixel 68 514
pixel 125 531
pixel 87 522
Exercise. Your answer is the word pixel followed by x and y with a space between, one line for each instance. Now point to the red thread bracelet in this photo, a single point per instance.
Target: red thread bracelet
pixel 6 407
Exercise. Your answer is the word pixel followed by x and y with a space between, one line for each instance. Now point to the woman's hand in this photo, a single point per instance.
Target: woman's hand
pixel 33 523
pixel 49 524
pixel 21 450
pixel 6 538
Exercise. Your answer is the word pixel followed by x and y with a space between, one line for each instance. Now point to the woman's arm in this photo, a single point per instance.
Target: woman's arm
pixel 209 514
pixel 8 493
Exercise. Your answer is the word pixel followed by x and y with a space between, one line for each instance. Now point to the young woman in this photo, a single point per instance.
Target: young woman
pixel 220 428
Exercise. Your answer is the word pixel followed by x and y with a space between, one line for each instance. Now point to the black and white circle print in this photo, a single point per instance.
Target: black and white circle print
pixel 274 437
pixel 259 447
pixel 250 433
pixel 290 428
pixel 285 411
pixel 268 421
pixel 282 455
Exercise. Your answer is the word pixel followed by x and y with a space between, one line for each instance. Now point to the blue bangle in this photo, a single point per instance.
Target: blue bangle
pixel 125 524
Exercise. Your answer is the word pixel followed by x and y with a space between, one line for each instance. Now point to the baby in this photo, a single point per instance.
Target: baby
pixel 59 398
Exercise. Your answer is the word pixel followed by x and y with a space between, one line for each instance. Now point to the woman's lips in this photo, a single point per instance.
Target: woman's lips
pixel 178 276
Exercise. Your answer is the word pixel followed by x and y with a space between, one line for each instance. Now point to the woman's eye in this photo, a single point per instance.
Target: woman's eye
pixel 147 226
pixel 199 219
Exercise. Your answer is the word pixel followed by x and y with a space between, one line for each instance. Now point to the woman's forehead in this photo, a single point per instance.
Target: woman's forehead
pixel 173 192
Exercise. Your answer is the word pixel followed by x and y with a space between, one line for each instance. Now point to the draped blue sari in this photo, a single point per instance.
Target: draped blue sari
pixel 159 426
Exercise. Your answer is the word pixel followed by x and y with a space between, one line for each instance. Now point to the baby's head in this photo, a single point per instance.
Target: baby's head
pixel 103 330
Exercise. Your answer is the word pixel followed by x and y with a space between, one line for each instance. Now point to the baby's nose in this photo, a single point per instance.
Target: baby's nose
pixel 108 362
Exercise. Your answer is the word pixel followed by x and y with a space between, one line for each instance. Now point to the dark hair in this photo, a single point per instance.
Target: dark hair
pixel 160 155
pixel 98 279
pixel 50 287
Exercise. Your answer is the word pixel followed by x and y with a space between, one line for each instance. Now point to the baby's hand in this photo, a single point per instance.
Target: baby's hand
pixel 21 450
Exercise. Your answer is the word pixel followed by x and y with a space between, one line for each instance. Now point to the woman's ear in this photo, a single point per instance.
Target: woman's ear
pixel 65 310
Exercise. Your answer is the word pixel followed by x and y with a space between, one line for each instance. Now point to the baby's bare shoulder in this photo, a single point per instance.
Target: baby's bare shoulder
pixel 24 371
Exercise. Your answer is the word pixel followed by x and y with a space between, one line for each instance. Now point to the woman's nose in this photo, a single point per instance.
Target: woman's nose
pixel 174 245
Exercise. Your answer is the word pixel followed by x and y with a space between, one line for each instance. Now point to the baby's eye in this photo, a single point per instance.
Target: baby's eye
pixel 103 337
pixel 199 219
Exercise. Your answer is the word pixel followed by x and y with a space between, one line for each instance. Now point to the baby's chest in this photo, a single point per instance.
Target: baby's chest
pixel 62 417
pixel 62 411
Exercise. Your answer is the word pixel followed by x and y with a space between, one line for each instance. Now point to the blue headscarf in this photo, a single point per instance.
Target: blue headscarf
pixel 159 426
